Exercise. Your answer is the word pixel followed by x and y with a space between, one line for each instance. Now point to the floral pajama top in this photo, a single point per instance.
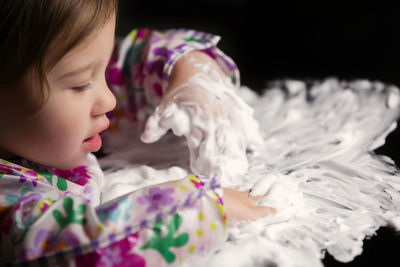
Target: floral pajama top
pixel 54 217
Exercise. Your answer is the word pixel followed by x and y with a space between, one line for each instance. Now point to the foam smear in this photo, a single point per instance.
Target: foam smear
pixel 216 122
pixel 316 168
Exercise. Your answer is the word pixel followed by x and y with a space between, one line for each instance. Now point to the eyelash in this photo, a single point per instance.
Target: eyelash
pixel 81 88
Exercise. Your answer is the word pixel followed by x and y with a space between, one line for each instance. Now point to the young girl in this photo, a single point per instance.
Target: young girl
pixel 55 102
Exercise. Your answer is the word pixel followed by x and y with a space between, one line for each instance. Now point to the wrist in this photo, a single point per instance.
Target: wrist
pixel 189 65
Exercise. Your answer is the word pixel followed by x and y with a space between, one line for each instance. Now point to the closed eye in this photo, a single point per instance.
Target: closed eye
pixel 81 88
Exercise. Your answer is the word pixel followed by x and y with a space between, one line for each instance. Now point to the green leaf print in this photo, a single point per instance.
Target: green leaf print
pixel 48 176
pixel 61 182
pixel 162 244
pixel 71 214
pixel 192 39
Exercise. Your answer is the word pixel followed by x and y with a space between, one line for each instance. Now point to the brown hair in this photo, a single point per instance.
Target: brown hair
pixel 36 34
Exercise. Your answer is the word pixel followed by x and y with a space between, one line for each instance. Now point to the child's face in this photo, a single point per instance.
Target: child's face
pixel 55 135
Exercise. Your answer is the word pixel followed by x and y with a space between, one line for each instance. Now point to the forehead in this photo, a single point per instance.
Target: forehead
pixel 94 50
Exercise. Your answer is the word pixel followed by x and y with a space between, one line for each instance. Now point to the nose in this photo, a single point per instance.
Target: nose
pixel 105 101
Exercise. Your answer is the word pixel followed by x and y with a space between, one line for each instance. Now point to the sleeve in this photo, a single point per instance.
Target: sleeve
pixel 139 71
pixel 170 223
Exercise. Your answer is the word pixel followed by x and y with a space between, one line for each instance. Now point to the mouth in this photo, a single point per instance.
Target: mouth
pixel 93 143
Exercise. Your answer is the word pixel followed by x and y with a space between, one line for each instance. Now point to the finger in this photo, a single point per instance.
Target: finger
pixel 153 130
pixel 256 199
pixel 262 186
pixel 253 199
pixel 264 211
pixel 259 212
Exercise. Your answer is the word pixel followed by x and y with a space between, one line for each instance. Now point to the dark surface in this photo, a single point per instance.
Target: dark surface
pixel 295 39
pixel 272 40
pixel 381 250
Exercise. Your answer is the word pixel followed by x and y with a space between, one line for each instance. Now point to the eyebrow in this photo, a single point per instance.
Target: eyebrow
pixel 86 67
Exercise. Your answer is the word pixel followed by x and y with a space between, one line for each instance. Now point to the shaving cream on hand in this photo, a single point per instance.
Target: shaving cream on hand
pixel 216 122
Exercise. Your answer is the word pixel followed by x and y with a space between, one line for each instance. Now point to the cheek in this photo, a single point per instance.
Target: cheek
pixel 65 130
pixel 44 141
pixel 57 142
pixel 53 135
pixel 55 132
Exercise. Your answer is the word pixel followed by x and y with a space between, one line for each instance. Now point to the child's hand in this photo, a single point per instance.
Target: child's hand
pixel 201 104
pixel 240 206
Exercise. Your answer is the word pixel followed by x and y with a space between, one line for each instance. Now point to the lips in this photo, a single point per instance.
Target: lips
pixel 94 142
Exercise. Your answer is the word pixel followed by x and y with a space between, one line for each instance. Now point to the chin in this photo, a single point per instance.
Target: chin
pixel 70 164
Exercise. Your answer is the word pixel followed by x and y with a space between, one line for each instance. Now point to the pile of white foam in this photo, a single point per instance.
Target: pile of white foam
pixel 316 168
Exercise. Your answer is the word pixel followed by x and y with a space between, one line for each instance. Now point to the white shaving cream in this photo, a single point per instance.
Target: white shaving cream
pixel 315 167
pixel 217 124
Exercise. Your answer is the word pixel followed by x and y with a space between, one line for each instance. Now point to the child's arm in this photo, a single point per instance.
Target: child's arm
pixel 144 74
pixel 156 225
pixel 162 64
pixel 238 205
pixel 142 63
pixel 201 104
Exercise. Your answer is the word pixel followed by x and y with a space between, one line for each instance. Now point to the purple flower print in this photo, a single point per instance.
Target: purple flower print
pixel 24 175
pixel 156 66
pixel 87 193
pixel 65 239
pixel 28 175
pixel 162 52
pixel 117 254
pixel 157 197
pixel 181 48
pixel 46 241
pixel 40 244
pixel 78 175
pixel 28 200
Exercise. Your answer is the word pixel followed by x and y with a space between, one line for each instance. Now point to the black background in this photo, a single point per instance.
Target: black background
pixel 272 40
